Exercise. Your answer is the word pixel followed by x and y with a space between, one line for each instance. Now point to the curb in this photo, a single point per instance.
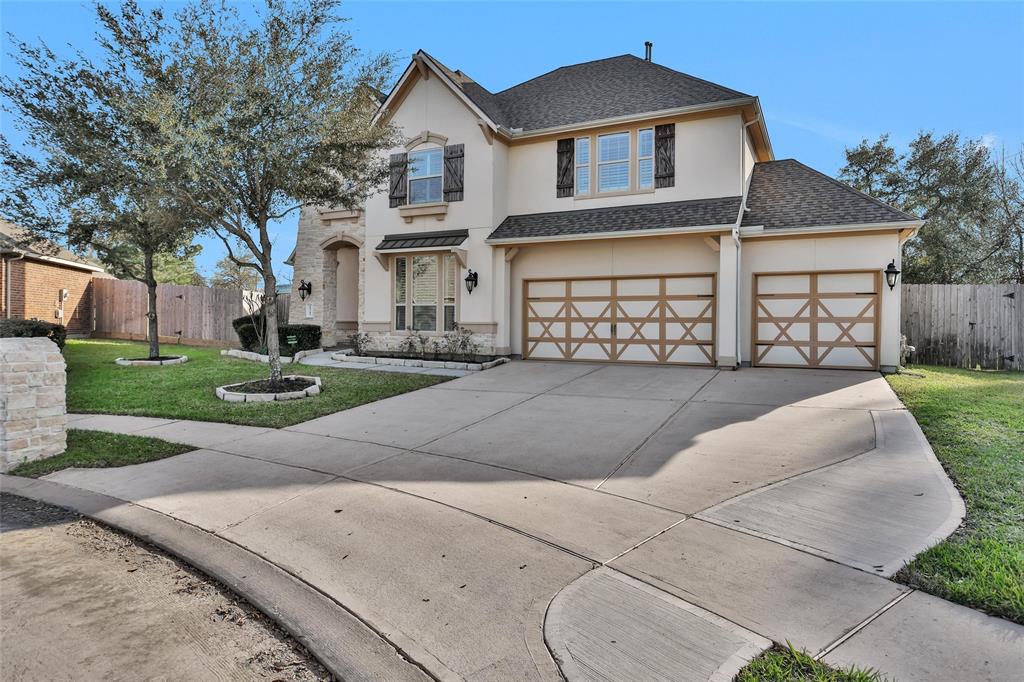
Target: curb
pixel 345 645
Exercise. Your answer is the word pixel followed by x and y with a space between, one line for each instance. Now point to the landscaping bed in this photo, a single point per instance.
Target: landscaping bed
pixel 265 390
pixel 974 421
pixel 158 361
pixel 97 385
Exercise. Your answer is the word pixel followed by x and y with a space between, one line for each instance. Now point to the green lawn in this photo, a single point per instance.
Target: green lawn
pixel 89 449
pixel 96 384
pixel 781 664
pixel 975 423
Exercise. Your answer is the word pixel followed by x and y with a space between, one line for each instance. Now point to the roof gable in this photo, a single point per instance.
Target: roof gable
pixel 592 91
pixel 787 194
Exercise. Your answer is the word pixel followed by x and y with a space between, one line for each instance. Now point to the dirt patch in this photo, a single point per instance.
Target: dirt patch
pixel 285 385
pixel 157 358
pixel 82 601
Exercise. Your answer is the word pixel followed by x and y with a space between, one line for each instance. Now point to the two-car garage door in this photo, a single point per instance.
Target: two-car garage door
pixel 650 319
pixel 816 319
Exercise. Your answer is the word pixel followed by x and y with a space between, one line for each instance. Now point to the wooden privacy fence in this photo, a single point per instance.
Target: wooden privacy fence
pixel 198 316
pixel 965 325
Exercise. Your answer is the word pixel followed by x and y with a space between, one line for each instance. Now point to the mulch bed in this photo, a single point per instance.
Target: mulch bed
pixel 267 386
pixel 156 359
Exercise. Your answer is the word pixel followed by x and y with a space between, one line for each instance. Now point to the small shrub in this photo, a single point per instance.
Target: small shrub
pixel 248 338
pixel 307 336
pixel 360 342
pixel 458 343
pixel 416 344
pixel 34 328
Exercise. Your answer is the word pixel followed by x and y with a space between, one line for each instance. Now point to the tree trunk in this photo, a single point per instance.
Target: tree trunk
pixel 154 334
pixel 270 310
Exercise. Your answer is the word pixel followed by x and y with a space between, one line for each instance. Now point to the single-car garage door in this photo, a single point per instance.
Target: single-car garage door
pixel 656 319
pixel 816 319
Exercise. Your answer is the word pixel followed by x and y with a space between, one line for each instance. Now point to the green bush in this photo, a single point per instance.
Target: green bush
pixel 307 336
pixel 34 328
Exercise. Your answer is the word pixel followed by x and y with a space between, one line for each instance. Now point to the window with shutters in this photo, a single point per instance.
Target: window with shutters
pixel 425 292
pixel 633 161
pixel 645 158
pixel 582 165
pixel 425 168
pixel 613 162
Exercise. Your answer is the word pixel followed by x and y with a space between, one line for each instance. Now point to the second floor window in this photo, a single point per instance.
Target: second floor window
pixel 425 176
pixel 613 162
pixel 645 158
pixel 583 165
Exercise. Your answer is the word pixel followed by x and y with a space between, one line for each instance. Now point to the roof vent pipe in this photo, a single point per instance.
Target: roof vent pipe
pixel 647 50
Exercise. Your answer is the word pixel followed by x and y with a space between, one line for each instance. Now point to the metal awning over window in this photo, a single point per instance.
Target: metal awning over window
pixel 423 240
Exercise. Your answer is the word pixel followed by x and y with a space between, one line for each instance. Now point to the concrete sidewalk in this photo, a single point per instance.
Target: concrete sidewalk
pixel 743 507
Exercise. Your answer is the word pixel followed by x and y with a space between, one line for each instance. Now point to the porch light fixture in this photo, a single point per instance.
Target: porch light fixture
pixel 305 289
pixel 891 274
pixel 471 281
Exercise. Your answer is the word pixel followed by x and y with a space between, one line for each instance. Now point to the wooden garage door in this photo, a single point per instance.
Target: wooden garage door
pixel 817 319
pixel 657 319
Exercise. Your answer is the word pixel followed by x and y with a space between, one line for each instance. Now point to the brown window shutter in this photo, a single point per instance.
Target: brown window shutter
pixel 454 171
pixel 665 155
pixel 398 187
pixel 566 160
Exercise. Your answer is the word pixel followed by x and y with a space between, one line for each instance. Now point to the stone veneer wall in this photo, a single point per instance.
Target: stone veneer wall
pixel 309 264
pixel 33 416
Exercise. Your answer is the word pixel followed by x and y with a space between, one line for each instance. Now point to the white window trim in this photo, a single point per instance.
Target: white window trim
pixel 409 178
pixel 441 256
pixel 588 165
pixel 628 161
pixel 642 158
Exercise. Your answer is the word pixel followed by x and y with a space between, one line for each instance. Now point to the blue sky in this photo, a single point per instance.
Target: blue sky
pixel 828 74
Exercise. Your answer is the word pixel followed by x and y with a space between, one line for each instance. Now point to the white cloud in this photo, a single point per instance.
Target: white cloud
pixel 990 140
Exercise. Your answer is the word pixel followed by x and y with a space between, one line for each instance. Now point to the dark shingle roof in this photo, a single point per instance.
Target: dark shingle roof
pixel 15 239
pixel 423 240
pixel 788 194
pixel 641 217
pixel 606 88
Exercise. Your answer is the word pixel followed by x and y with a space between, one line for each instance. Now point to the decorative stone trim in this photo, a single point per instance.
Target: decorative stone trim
pixel 437 209
pixel 346 356
pixel 226 394
pixel 265 359
pixel 125 362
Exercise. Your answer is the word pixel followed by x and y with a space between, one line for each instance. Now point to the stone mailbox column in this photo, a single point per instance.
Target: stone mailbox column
pixel 33 416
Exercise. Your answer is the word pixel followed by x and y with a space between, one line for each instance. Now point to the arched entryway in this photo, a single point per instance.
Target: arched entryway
pixel 340 287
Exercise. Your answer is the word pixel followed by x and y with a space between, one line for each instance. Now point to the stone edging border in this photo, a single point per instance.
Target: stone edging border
pixel 265 359
pixel 432 364
pixel 125 362
pixel 226 394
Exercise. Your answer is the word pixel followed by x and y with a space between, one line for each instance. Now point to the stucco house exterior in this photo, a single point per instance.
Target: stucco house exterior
pixel 615 210
pixel 45 282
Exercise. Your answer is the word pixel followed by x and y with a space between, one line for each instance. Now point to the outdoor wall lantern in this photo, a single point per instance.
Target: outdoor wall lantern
pixel 891 274
pixel 305 289
pixel 471 281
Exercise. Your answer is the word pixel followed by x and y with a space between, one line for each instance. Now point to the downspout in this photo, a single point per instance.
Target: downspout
pixel 7 280
pixel 745 190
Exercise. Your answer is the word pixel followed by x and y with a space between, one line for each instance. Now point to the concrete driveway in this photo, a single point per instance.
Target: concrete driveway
pixel 620 521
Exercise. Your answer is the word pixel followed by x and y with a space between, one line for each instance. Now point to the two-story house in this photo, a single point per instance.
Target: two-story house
pixel 615 210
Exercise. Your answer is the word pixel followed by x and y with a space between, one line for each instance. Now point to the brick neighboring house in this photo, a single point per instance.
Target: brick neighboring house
pixel 33 277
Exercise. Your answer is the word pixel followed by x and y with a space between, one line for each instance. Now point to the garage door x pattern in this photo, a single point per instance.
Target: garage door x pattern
pixel 817 319
pixel 648 319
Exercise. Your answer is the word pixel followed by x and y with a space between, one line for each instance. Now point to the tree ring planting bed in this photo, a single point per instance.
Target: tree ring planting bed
pixel 291 387
pixel 152 362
